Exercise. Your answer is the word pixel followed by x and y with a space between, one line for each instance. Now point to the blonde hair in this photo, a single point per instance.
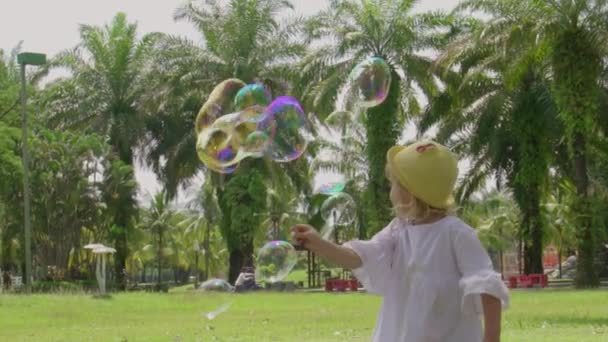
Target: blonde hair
pixel 417 210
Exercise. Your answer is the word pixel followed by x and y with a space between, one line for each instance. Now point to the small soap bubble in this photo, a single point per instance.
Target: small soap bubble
pixel 251 95
pixel 369 82
pixel 339 210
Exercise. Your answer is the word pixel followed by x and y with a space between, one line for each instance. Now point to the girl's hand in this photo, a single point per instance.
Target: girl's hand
pixel 306 236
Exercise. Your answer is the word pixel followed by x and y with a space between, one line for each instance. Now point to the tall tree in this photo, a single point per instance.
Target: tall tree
pixel 358 29
pixel 200 228
pixel 158 221
pixel 571 32
pixel 497 109
pixel 103 95
pixel 242 39
pixel 243 198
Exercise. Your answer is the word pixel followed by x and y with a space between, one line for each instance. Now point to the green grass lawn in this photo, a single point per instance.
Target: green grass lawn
pixel 178 316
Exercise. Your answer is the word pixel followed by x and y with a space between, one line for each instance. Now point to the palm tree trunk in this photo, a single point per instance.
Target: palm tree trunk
pixel 532 225
pixel 196 271
pixel 519 254
pixel 577 94
pixel 236 263
pixel 207 252
pixel 382 134
pixel 559 262
pixel 159 256
pixel 586 274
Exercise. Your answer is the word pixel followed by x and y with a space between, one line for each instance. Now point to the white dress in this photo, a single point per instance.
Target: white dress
pixel 431 277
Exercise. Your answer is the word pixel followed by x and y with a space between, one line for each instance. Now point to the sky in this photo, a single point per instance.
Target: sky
pixel 50 26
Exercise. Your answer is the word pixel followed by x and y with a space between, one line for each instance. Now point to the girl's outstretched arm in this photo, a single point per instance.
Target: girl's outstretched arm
pixel 309 238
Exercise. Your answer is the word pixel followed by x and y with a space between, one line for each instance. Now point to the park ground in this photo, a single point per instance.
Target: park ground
pixel 535 315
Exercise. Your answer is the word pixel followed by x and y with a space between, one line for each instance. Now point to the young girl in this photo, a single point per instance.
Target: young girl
pixel 434 275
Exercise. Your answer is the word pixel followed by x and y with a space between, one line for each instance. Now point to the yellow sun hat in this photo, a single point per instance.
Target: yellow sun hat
pixel 426 169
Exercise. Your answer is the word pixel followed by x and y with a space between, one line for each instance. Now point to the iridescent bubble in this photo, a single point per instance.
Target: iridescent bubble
pixel 251 141
pixel 251 95
pixel 256 144
pixel 286 123
pixel 369 82
pixel 214 145
pixel 331 188
pixel 339 210
pixel 218 103
pixel 275 260
pixel 232 138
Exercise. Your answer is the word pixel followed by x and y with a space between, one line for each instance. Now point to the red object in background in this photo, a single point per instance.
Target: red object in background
pixel 525 281
pixel 528 281
pixel 341 285
pixel 539 279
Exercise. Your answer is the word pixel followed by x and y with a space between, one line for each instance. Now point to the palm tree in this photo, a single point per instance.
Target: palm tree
pixel 350 31
pixel 572 34
pixel 498 111
pixel 10 85
pixel 103 95
pixel 241 39
pixel 199 227
pixel 158 221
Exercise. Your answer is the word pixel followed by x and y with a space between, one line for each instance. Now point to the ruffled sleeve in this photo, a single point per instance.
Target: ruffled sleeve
pixel 377 257
pixel 478 275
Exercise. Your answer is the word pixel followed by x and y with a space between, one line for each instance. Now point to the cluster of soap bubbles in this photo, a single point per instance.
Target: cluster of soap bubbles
pixel 240 121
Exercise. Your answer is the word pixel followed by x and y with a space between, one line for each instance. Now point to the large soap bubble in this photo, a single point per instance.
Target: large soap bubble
pixel 286 122
pixel 369 82
pixel 275 260
pixel 232 138
pixel 218 103
pixel 214 145
pixel 339 210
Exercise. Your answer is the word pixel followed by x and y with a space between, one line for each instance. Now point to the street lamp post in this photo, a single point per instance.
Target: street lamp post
pixel 24 59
